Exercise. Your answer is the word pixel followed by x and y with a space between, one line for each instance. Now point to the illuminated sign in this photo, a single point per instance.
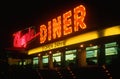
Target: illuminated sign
pixel 21 38
pixel 69 22
pixel 77 39
pixel 53 45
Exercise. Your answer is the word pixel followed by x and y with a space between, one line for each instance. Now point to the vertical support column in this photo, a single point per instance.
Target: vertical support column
pixel 101 54
pixel 50 61
pixel 118 48
pixel 40 62
pixel 82 57
pixel 63 58
pixel 31 62
pixel 22 61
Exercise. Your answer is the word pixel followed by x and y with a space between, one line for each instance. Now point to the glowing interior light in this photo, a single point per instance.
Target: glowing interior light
pixel 39 54
pixel 67 23
pixel 43 33
pixel 50 52
pixel 79 15
pixel 56 27
pixel 81 45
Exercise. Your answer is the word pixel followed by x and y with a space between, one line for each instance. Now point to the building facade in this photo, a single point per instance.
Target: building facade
pixel 66 41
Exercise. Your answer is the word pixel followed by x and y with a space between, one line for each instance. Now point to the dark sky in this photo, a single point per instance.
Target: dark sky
pixel 18 15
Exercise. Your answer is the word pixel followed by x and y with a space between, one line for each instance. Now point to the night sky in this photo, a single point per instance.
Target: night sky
pixel 18 15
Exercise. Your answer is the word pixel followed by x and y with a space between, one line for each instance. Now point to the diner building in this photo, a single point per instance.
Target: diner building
pixel 66 40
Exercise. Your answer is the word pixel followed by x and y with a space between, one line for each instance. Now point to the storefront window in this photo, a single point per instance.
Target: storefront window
pixel 110 52
pixel 70 57
pixel 91 55
pixel 57 59
pixel 35 62
pixel 45 61
pixel 20 63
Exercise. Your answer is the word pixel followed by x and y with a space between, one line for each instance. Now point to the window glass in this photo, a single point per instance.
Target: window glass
pixel 57 57
pixel 91 55
pixel 110 52
pixel 70 55
pixel 111 48
pixel 35 60
pixel 91 51
pixel 45 59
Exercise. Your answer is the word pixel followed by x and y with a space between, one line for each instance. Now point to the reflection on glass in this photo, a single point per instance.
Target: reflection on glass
pixel 57 59
pixel 35 60
pixel 110 52
pixel 111 48
pixel 91 55
pixel 70 55
pixel 45 59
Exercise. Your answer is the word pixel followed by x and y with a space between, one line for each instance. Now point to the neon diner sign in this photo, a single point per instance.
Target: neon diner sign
pixel 21 39
pixel 68 23
pixel 63 25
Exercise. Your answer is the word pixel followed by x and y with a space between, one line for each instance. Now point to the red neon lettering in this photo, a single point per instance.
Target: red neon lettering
pixel 63 25
pixel 21 40
pixel 16 41
pixel 67 23
pixel 79 15
pixel 57 27
pixel 43 33
pixel 49 30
